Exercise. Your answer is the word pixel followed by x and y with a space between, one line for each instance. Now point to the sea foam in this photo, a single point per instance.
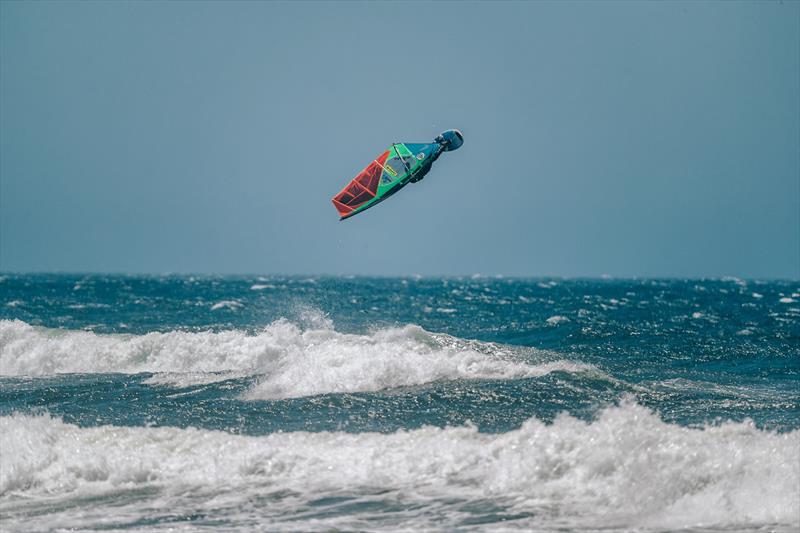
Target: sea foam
pixel 289 361
pixel 625 469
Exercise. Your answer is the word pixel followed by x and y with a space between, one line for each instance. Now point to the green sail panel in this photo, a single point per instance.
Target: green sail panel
pixel 398 166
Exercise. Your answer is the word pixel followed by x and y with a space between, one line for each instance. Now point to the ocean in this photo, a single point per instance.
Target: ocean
pixel 314 403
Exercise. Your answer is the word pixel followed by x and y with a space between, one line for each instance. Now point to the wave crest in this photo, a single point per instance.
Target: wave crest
pixel 289 361
pixel 626 468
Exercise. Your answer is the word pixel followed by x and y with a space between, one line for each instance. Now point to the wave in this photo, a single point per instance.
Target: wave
pixel 289 361
pixel 626 469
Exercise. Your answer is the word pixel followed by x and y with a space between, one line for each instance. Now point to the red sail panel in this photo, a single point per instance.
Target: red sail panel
pixel 362 188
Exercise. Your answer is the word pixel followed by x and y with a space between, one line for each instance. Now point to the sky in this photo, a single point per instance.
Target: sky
pixel 630 139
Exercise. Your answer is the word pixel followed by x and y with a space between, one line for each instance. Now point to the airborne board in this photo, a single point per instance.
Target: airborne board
pixel 387 174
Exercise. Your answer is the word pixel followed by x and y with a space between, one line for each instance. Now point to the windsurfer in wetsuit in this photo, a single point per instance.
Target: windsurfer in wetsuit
pixel 449 140
pixel 425 167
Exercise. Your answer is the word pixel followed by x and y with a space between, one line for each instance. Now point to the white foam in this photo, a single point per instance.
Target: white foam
pixel 233 305
pixel 786 300
pixel 627 469
pixel 289 361
pixel 557 319
pixel 90 305
pixel 389 359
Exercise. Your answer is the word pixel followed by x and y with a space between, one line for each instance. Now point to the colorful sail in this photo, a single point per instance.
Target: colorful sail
pixel 397 166
pixel 385 175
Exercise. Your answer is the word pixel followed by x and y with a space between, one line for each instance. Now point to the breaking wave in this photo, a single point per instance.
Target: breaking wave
pixel 289 361
pixel 627 468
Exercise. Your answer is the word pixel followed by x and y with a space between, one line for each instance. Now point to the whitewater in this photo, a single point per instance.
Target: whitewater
pixel 319 403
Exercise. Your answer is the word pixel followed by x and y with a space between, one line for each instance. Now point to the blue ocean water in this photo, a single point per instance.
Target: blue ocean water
pixel 319 403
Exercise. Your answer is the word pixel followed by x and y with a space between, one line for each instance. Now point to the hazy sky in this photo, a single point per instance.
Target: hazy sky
pixel 629 139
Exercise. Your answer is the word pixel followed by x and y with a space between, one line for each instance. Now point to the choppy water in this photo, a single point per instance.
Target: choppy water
pixel 291 403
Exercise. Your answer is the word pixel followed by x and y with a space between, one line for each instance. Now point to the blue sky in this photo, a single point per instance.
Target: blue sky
pixel 628 139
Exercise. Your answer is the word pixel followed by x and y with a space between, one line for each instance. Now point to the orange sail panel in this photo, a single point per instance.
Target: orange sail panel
pixel 362 188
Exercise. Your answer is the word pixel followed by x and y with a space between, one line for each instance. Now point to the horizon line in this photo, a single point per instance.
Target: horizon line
pixel 475 275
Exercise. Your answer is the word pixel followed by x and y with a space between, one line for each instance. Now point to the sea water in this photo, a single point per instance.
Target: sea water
pixel 276 403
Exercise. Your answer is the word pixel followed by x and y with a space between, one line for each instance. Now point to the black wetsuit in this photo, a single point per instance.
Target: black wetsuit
pixel 426 166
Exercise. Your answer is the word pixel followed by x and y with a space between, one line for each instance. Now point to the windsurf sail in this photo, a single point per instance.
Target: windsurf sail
pixel 384 176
